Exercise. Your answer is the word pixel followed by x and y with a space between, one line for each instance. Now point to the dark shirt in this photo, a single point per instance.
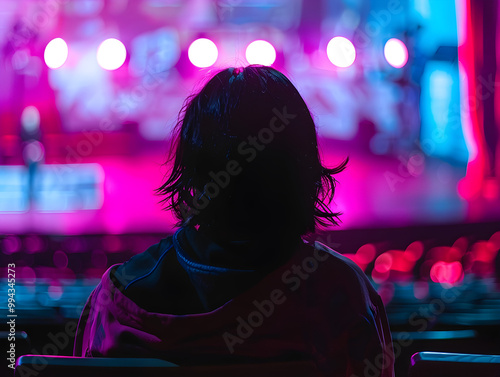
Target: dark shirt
pixel 192 301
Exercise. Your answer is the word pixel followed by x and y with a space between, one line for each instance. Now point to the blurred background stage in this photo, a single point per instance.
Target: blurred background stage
pixel 91 89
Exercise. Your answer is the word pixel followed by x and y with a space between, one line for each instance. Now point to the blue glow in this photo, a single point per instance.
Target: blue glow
pixel 14 189
pixel 56 188
pixel 441 132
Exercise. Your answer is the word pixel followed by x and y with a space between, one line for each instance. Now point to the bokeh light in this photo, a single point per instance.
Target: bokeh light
pixel 396 53
pixel 60 259
pixel 33 151
pixel 420 290
pixel 203 53
pixel 56 53
pixel 260 52
pixel 26 274
pixel 111 54
pixel 366 253
pixel 383 263
pixel 414 251
pixel 30 119
pixel 341 52
pixel 33 244
pixel 10 244
pixel 55 291
pixel 446 273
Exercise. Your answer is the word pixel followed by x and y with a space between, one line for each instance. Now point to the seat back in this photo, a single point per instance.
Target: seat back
pixel 59 366
pixel 441 364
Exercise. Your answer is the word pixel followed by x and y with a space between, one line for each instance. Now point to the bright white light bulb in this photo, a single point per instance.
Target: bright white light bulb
pixel 341 52
pixel 203 53
pixel 260 52
pixel 56 53
pixel 111 54
pixel 396 53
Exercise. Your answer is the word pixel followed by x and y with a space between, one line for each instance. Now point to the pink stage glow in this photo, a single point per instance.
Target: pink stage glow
pixel 366 253
pixel 260 52
pixel 364 256
pixel 446 273
pixel 56 53
pixel 133 208
pixel 383 263
pixel 203 53
pixel 470 186
pixel 341 52
pixel 111 54
pixel 396 53
pixel 414 251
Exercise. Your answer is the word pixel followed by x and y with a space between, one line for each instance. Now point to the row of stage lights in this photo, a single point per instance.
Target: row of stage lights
pixel 203 53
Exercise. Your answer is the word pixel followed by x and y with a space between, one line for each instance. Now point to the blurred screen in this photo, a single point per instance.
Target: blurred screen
pixel 91 91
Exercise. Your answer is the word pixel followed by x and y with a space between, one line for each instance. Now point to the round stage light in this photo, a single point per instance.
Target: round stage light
pixel 260 52
pixel 203 53
pixel 33 152
pixel 396 53
pixel 30 119
pixel 341 52
pixel 111 54
pixel 56 53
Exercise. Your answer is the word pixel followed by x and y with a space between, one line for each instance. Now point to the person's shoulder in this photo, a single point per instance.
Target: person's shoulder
pixel 342 270
pixel 141 264
pixel 336 259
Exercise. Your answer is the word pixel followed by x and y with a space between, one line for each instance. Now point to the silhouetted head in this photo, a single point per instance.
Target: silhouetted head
pixel 246 157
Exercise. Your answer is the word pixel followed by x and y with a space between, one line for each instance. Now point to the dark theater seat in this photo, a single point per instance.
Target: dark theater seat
pixel 441 364
pixel 59 366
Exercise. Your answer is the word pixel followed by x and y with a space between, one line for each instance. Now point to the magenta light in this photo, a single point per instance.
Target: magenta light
pixel 396 53
pixel 446 273
pixel 111 54
pixel 203 53
pixel 56 53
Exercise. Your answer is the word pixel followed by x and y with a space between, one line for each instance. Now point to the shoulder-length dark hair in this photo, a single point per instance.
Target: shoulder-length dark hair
pixel 246 156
